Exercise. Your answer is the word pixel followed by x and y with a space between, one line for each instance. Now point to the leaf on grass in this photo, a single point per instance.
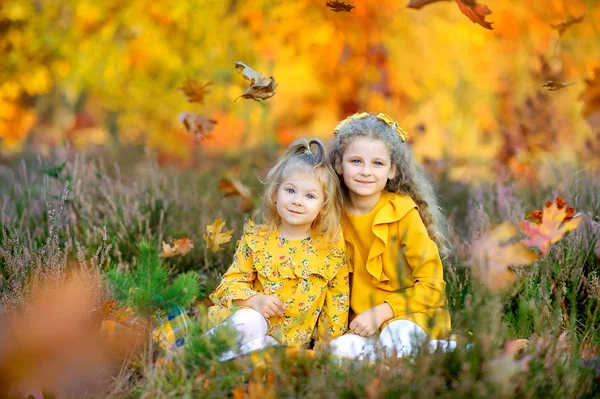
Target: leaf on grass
pixel 339 6
pixel 180 246
pixel 475 12
pixel 421 3
pixel 493 255
pixel 563 26
pixel 552 85
pixel 232 186
pixel 260 87
pixel 591 100
pixel 502 368
pixel 536 216
pixel 552 228
pixel 198 125
pixel 214 237
pixel 195 91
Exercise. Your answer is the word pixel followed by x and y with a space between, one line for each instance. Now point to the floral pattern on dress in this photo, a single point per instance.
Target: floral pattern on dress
pixel 310 278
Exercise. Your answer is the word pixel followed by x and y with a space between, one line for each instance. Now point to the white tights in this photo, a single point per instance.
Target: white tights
pixel 400 338
pixel 252 329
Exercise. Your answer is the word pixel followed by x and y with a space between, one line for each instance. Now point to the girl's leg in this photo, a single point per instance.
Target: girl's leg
pixel 401 338
pixel 352 346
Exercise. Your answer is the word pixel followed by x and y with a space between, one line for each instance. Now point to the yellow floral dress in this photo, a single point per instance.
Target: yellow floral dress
pixel 310 277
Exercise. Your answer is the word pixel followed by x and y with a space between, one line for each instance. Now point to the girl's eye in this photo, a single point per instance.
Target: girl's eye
pixel 289 190
pixel 310 196
pixel 355 161
pixel 378 163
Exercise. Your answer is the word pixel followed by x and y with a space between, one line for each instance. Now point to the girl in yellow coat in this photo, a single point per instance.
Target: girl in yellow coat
pixel 394 232
pixel 289 276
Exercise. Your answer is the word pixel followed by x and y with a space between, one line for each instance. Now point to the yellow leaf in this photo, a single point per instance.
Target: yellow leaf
pixel 180 246
pixel 214 237
pixel 552 228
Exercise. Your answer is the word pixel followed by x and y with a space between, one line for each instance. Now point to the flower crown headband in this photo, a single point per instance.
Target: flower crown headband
pixel 380 116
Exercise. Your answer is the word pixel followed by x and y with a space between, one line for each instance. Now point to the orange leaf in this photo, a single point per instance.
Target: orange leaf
pixel 180 246
pixel 198 125
pixel 421 3
pixel 260 87
pixel 552 228
pixel 475 12
pixel 195 91
pixel 553 86
pixel 232 186
pixel 562 27
pixel 339 6
pixel 493 254
pixel 536 216
pixel 214 237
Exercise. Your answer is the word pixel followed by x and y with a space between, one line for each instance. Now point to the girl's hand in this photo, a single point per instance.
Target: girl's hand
pixel 266 305
pixel 368 322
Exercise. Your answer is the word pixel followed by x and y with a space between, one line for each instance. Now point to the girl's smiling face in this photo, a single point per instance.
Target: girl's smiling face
pixel 366 167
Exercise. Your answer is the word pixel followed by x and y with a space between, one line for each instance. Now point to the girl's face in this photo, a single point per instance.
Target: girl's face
pixel 366 168
pixel 299 200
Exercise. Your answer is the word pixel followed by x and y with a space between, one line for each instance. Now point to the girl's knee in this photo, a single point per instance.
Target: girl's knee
pixel 250 322
pixel 349 345
pixel 402 336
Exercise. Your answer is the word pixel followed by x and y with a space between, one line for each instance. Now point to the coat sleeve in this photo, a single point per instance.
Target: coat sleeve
pixel 238 280
pixel 333 320
pixel 422 255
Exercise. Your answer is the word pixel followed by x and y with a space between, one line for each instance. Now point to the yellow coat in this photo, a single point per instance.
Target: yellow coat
pixel 403 266
pixel 309 277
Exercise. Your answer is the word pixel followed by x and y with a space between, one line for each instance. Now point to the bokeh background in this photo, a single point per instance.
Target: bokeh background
pixel 104 75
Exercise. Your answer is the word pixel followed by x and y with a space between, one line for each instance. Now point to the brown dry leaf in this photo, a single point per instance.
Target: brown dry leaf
pixel 502 368
pixel 553 86
pixel 421 3
pixel 339 6
pixel 563 26
pixel 475 12
pixel 214 237
pixel 198 125
pixel 552 228
pixel 373 388
pixel 180 246
pixel 260 87
pixel 239 392
pixel 195 91
pixel 232 186
pixel 493 254
pixel 536 216
pixel 591 100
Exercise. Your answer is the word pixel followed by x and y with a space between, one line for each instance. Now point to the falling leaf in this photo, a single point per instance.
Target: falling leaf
pixel 502 368
pixel 195 91
pixel 260 87
pixel 180 246
pixel 552 85
pixel 231 186
pixel 536 216
pixel 563 26
pixel 552 228
pixel 421 3
pixel 475 12
pixel 198 125
pixel 340 6
pixel 494 253
pixel 214 237
pixel 591 100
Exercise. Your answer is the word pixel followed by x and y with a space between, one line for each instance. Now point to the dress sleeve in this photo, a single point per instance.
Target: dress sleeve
pixel 333 320
pixel 238 280
pixel 423 257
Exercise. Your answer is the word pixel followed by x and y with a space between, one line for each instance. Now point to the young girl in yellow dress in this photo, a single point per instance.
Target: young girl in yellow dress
pixel 394 232
pixel 289 275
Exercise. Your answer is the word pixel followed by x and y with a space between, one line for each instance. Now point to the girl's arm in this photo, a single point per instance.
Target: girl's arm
pixel 238 282
pixel 333 320
pixel 427 272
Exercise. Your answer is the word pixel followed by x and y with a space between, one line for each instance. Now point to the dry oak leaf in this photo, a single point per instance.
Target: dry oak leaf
pixel 493 255
pixel 421 3
pixel 552 228
pixel 536 216
pixel 214 237
pixel 198 125
pixel 339 6
pixel 553 86
pixel 260 87
pixel 180 246
pixel 475 12
pixel 563 26
pixel 232 186
pixel 195 91
pixel 591 99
